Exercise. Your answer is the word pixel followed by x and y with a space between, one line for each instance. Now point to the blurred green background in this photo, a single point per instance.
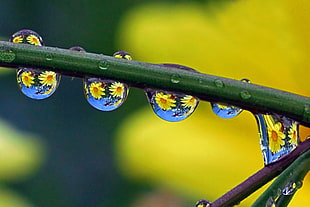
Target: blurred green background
pixel 62 152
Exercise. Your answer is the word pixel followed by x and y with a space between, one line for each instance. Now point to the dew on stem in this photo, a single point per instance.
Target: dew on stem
pixel 278 136
pixel 105 94
pixel 34 83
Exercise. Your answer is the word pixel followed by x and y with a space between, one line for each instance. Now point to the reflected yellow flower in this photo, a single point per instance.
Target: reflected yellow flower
pixel 47 78
pixel 96 89
pixel 292 134
pixel 276 137
pixel 188 101
pixel 18 39
pixel 164 101
pixel 117 89
pixel 27 79
pixel 205 156
pixel 34 40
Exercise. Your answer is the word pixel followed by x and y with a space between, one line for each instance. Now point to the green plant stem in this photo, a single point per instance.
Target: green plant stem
pixel 263 176
pixel 255 98
pixel 295 173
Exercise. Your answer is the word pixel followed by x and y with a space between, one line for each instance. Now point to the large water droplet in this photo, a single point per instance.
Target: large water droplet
pixel 171 106
pixel 225 111
pixel 35 83
pixel 278 136
pixel 289 189
pixel 6 56
pixel 203 203
pixel 105 94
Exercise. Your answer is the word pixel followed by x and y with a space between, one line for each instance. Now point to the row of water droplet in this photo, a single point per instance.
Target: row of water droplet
pixel 278 134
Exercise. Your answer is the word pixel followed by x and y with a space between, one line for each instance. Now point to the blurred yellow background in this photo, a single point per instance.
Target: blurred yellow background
pixel 204 156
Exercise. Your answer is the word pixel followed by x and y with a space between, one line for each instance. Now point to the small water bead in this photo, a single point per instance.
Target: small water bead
pixel 219 83
pixel 104 94
pixel 245 95
pixel 103 65
pixel 278 136
pixel 6 55
pixel 203 203
pixel 289 189
pixel 171 106
pixel 34 83
pixel 270 202
pixel 175 78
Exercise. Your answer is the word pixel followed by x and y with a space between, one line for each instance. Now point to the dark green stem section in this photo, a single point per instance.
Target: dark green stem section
pixel 255 98
pixel 295 173
pixel 263 176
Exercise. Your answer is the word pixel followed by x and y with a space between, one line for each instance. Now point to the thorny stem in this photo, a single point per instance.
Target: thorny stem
pixel 255 98
pixel 260 178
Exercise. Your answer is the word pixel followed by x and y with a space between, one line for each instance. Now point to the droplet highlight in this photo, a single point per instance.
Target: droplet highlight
pixel 203 203
pixel 34 83
pixel 171 106
pixel 278 135
pixel 105 94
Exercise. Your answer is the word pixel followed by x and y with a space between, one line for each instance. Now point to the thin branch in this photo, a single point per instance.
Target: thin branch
pixel 248 96
pixel 260 178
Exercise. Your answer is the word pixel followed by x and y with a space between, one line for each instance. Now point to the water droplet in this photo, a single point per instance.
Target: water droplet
pixel 279 135
pixel 175 78
pixel 203 203
pixel 37 84
pixel 6 56
pixel 105 95
pixel 34 83
pixel 245 80
pixel 306 116
pixel 219 83
pixel 270 202
pixel 225 111
pixel 48 57
pixel 171 106
pixel 289 189
pixel 103 65
pixel 123 55
pixel 245 95
pixel 299 184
